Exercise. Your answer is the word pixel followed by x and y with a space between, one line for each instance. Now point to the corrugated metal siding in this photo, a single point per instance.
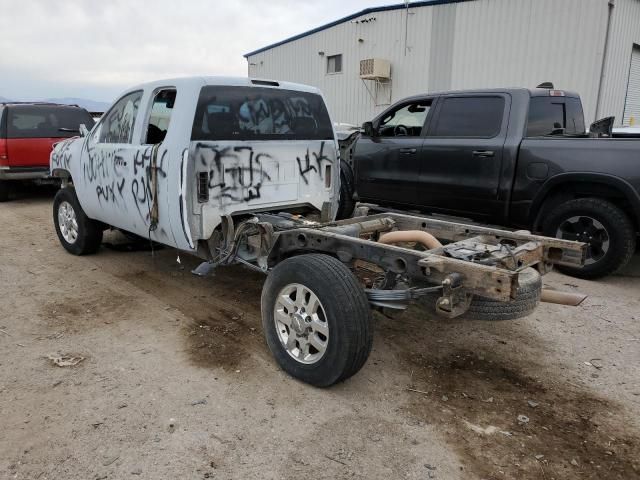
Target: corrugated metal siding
pixel 632 103
pixel 384 37
pixel 524 43
pixel 625 32
pixel 493 43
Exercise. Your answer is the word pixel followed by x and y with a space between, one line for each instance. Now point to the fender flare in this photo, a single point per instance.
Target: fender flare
pixel 620 184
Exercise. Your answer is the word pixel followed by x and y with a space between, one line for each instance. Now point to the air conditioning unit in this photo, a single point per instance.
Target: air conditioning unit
pixel 375 68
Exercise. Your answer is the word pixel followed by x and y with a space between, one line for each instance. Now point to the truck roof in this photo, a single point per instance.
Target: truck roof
pixel 225 81
pixel 36 103
pixel 533 92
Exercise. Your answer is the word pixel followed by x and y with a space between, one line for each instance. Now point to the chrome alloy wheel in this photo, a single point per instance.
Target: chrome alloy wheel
pixel 301 323
pixel 587 230
pixel 68 222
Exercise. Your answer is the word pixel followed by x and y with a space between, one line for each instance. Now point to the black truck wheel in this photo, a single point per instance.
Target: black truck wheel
pixel 608 231
pixel 77 233
pixel 316 319
pixel 346 203
pixel 526 301
pixel 4 191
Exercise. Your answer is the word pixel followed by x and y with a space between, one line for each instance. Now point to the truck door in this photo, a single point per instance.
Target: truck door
pixel 462 154
pixel 124 165
pixel 388 163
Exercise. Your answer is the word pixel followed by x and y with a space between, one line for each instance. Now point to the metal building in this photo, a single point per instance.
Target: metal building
pixel 375 57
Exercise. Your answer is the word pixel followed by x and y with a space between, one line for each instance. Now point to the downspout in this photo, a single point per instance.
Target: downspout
pixel 406 25
pixel 605 54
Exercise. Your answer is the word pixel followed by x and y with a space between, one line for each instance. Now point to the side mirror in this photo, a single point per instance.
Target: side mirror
pixel 602 128
pixel 368 129
pixel 83 130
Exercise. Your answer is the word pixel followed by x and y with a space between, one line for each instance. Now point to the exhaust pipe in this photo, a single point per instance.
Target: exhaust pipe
pixel 562 298
pixel 419 236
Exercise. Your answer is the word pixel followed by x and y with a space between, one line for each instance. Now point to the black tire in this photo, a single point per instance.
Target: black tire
pixel 346 311
pixel 4 191
pixel 89 232
pixel 346 203
pixel 526 301
pixel 619 228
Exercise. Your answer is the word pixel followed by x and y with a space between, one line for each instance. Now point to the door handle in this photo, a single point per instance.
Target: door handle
pixel 483 153
pixel 408 150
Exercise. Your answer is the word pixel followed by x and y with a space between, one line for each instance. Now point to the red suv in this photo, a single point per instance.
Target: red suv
pixel 27 134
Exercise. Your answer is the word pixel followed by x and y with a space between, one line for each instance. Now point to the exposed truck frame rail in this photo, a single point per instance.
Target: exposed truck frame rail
pixel 474 261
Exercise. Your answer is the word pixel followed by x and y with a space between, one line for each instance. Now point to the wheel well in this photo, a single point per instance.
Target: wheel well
pixel 62 174
pixel 573 190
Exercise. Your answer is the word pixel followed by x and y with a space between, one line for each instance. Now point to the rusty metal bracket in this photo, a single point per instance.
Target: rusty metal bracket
pixel 455 300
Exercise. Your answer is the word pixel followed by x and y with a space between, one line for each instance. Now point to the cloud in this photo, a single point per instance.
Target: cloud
pixel 96 49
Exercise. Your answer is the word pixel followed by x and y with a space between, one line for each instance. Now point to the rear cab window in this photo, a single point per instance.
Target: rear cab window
pixel 260 113
pixel 469 117
pixel 555 116
pixel 46 121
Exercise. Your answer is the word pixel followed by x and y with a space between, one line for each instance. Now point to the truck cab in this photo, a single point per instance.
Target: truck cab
pixel 170 159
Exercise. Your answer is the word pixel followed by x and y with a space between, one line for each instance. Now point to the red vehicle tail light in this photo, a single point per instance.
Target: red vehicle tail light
pixel 4 155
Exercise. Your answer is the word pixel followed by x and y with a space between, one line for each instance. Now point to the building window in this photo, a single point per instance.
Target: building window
pixel 334 63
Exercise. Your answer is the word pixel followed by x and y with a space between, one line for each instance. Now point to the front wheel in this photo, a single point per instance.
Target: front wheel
pixel 316 319
pixel 607 230
pixel 77 233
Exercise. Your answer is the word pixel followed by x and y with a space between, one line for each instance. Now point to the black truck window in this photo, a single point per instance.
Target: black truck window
pixel 257 113
pixel 555 116
pixel 406 121
pixel 470 117
pixel 50 121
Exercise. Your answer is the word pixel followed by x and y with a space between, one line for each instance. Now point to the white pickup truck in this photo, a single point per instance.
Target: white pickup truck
pixel 239 170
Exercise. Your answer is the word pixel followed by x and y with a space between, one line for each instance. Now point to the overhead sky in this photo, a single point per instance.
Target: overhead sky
pixel 95 49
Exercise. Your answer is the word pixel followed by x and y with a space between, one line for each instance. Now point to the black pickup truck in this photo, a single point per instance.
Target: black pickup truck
pixel 514 157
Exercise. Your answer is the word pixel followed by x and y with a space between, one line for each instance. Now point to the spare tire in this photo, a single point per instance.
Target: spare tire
pixel 481 308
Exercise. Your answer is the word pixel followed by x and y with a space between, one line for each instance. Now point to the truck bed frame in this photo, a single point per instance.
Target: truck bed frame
pixel 472 260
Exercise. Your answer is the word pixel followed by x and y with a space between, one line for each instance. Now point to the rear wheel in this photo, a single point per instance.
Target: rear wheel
pixel 77 233
pixel 608 232
pixel 316 319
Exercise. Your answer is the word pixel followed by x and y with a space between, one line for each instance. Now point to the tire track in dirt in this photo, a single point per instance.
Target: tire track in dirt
pixel 476 394
pixel 224 328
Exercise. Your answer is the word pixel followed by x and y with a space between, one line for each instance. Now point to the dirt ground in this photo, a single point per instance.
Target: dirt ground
pixel 177 382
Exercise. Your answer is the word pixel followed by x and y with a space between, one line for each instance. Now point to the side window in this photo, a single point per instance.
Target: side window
pixel 469 117
pixel 117 124
pixel 407 121
pixel 160 116
pixel 555 116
